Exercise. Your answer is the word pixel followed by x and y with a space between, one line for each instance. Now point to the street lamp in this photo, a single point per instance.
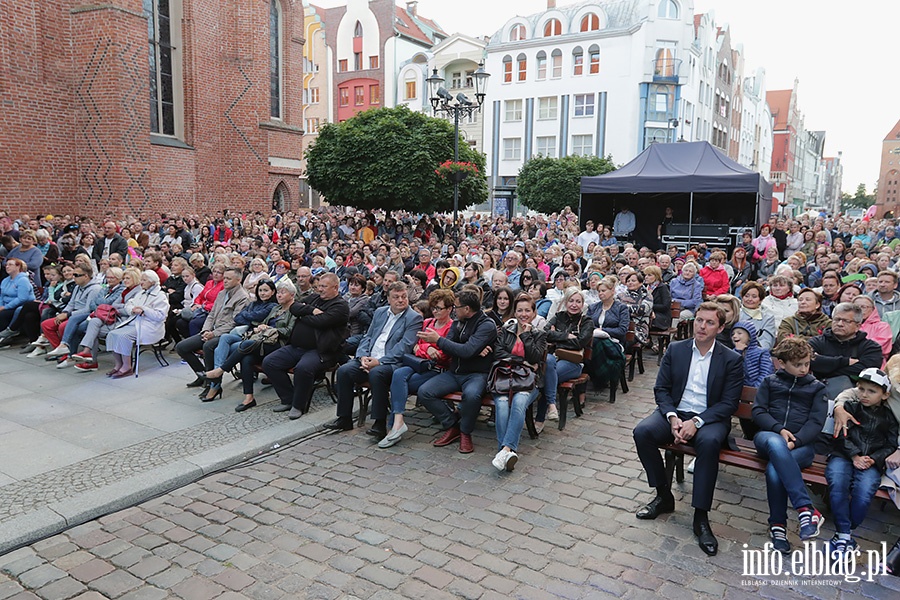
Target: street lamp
pixel 442 101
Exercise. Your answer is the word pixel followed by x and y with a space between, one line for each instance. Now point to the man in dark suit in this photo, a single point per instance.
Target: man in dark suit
pixel 391 334
pixel 697 391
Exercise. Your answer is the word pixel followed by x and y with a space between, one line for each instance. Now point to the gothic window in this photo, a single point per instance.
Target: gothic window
pixel 275 31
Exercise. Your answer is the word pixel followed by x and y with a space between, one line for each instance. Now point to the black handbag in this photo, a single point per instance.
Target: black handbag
pixel 892 560
pixel 511 377
pixel 419 365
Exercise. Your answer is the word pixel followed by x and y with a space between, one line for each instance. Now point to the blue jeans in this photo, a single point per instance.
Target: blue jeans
pixel 405 382
pixel 851 492
pixel 75 329
pixel 556 372
pixel 509 419
pixel 225 348
pixel 472 386
pixel 783 477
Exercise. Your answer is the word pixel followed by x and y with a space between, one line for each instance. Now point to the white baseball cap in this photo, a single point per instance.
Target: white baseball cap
pixel 876 376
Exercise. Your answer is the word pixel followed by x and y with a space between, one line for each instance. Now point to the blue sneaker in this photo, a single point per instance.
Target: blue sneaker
pixel 778 535
pixel 810 523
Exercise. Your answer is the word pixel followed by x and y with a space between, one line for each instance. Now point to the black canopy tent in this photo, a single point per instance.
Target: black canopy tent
pixel 701 184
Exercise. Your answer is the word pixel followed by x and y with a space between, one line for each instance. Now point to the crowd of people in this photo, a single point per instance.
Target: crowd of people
pixel 408 304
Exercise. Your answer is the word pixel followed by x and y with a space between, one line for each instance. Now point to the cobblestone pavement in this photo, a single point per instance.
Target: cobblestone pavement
pixel 334 517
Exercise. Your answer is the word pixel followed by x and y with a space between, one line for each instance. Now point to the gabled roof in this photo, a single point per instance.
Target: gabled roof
pixel 416 27
pixel 779 102
pixel 894 135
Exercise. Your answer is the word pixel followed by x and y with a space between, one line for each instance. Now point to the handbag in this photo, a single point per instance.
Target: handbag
pixel 892 560
pixel 106 314
pixel 575 356
pixel 266 336
pixel 419 365
pixel 511 377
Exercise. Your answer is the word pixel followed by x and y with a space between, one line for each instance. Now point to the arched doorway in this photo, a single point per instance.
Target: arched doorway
pixel 280 198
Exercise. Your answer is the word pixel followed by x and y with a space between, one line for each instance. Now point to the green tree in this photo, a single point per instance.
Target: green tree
pixel 859 200
pixel 386 158
pixel 548 185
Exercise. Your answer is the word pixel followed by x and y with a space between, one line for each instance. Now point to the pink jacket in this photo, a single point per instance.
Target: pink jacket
pixel 879 332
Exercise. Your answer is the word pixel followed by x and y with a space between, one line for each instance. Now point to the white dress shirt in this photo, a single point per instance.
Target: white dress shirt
pixel 381 340
pixel 693 400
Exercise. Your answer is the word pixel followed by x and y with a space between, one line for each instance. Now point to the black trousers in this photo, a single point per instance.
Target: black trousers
pixel 307 367
pixel 186 349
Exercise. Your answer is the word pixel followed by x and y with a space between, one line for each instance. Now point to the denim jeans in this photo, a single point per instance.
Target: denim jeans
pixel 509 419
pixel 851 492
pixel 472 386
pixel 405 382
pixel 225 348
pixel 75 329
pixel 556 372
pixel 783 477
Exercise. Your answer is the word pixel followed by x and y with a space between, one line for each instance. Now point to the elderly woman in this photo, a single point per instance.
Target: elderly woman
pixel 766 267
pixel 15 290
pixel 144 324
pixel 257 273
pixel 809 320
pixel 571 331
pixel 875 329
pixel 268 334
pixel 518 343
pixel 687 289
pixel 121 286
pixel 780 301
pixel 752 296
pixel 28 252
pixel 611 319
pixel 640 306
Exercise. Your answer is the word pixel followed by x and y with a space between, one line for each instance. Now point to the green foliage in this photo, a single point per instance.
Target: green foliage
pixel 386 159
pixel 860 200
pixel 548 185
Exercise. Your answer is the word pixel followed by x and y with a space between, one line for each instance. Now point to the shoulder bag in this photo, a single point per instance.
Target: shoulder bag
pixel 106 314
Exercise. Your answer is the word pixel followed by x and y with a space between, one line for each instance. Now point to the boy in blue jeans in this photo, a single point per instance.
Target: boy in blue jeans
pixel 789 409
pixel 856 463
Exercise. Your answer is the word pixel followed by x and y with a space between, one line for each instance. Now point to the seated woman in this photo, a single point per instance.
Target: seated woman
pixel 474 273
pixel 519 343
pixel 503 309
pixel 780 302
pixel 661 319
pixel 15 290
pixel 809 320
pixel 611 320
pixel 687 289
pixel 29 316
pixel 640 305
pixel 121 287
pixel 272 332
pixel 752 296
pixel 145 324
pixel 875 329
pixel 193 317
pixel 407 379
pixel 569 330
pixel 732 307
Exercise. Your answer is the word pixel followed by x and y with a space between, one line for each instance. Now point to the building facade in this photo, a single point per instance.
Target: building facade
pixel 202 114
pixel 831 175
pixel 887 197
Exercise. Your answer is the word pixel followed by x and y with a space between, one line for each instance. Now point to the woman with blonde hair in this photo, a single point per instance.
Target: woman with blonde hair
pixel 732 307
pixel 257 273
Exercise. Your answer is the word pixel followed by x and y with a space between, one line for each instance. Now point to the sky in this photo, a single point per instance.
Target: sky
pixel 844 56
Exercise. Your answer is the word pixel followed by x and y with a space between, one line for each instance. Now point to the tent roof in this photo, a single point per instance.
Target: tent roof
pixel 678 167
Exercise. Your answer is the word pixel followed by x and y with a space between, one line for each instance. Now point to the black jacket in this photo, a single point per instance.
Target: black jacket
pixel 564 323
pixel 662 307
pixel 466 340
pixel 330 326
pixel 535 342
pixel 118 244
pixel 797 404
pixel 832 357
pixel 875 436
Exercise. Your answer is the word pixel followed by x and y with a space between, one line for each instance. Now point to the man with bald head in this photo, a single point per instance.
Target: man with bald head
pixel 304 284
pixel 111 242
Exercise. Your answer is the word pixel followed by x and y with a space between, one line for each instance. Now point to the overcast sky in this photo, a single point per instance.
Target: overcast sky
pixel 844 55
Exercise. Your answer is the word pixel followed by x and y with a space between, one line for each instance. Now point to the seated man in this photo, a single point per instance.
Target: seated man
pixel 391 334
pixel 316 341
pixel 697 390
pixel 220 320
pixel 468 343
pixel 842 351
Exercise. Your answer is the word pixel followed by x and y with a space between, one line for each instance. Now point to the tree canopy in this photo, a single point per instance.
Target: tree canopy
pixel 386 158
pixel 860 200
pixel 548 185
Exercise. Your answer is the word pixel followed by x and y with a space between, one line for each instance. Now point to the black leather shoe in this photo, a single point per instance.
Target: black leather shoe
pixel 378 430
pixel 705 537
pixel 339 424
pixel 658 506
pixel 242 407
pixel 199 382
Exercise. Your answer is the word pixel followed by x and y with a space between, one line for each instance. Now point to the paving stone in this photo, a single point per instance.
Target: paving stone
pixel 91 570
pixel 115 584
pixel 146 592
pixel 61 589
pixel 198 588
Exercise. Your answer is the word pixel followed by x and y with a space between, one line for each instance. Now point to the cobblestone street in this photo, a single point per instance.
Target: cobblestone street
pixel 334 517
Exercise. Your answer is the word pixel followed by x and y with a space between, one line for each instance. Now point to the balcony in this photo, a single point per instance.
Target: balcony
pixel 666 70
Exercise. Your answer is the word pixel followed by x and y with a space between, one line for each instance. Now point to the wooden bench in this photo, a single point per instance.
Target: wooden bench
pixel 577 388
pixel 745 457
pixel 634 356
pixel 664 336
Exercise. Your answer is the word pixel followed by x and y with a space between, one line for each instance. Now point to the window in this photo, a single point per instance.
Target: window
pixel 470 78
pixel 541 65
pixel 552 27
pixel 547 107
pixel 344 93
pixel 410 89
pixel 662 102
pixel 163 62
pixel 507 69
pixel 665 60
pixel 314 95
pixel 373 62
pixel 512 148
pixel 584 105
pixel 578 61
pixel 375 94
pixel 357 30
pixel 590 22
pixel 456 80
pixel 312 125
pixel 517 33
pixel 523 66
pixel 668 9
pixel 594 55
pixel 357 61
pixel 546 146
pixel 582 145
pixel 556 64
pixel 359 95
pixel 342 65
pixel 274 59
pixel 513 111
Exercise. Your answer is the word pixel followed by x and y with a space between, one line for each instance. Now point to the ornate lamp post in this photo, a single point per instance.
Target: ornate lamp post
pixel 442 101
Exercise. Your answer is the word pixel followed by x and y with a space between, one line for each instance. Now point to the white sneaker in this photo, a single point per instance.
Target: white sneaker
pixel 499 461
pixel 36 352
pixel 59 350
pixel 511 459
pixel 41 341
pixel 690 468
pixel 64 364
pixel 552 413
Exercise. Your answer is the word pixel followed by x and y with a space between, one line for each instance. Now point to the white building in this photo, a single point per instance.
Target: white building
pixel 756 125
pixel 592 78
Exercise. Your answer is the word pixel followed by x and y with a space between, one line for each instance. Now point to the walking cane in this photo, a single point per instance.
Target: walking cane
pixel 137 345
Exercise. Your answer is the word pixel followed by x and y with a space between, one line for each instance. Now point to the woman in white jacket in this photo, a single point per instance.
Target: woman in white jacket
pixel 145 317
